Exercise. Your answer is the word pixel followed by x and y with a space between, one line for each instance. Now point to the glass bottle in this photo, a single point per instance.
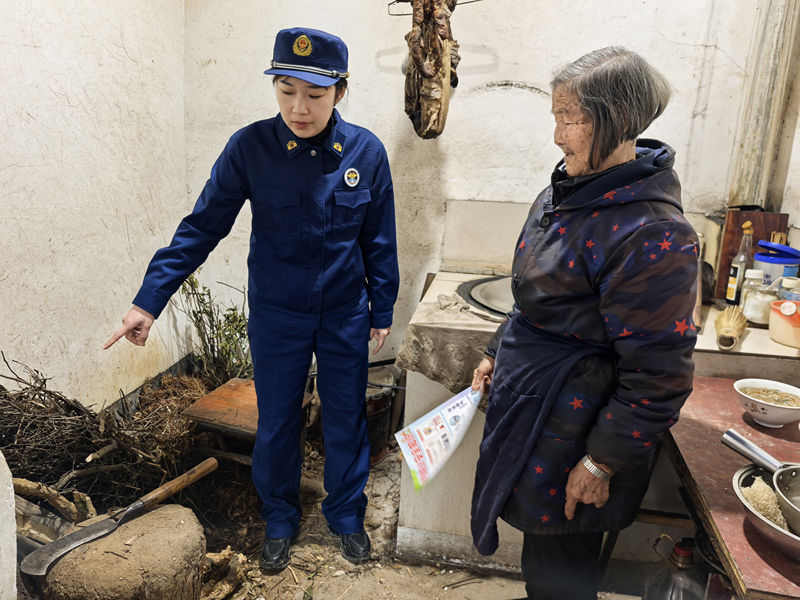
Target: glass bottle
pixel 739 264
pixel 753 279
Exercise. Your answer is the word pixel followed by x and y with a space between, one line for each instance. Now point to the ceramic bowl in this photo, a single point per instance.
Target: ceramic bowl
pixel 764 413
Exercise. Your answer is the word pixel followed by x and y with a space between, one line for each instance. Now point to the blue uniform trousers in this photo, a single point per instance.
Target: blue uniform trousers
pixel 282 342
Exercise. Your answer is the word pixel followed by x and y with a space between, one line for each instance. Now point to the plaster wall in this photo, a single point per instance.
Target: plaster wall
pixel 791 194
pixel 91 170
pixel 497 146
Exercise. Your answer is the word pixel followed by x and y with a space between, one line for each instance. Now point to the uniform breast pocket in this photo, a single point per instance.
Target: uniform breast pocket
pixel 349 210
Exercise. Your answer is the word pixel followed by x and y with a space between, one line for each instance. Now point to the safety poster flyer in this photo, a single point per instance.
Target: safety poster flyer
pixel 428 442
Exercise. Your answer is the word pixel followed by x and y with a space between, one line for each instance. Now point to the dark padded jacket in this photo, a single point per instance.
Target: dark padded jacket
pixel 611 268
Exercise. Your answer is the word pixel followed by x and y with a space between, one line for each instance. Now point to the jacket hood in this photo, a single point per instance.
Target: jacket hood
pixel 654 161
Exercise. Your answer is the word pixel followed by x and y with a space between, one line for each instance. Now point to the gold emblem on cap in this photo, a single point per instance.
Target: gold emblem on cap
pixel 302 46
pixel 338 147
pixel 291 145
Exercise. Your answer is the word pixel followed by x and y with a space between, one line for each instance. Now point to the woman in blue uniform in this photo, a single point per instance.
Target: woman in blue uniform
pixel 323 279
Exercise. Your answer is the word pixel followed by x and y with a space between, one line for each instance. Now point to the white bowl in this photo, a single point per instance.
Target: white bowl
pixel 764 413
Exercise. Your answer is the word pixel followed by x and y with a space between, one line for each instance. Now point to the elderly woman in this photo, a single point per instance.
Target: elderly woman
pixel 594 363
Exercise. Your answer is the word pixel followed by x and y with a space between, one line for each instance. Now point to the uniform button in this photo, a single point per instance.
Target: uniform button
pixel 313 152
pixel 545 221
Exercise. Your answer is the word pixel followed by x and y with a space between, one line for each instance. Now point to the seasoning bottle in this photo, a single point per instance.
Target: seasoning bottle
pixel 753 279
pixel 739 264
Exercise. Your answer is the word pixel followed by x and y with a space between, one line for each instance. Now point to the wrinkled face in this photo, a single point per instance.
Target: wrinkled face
pixel 305 108
pixel 573 132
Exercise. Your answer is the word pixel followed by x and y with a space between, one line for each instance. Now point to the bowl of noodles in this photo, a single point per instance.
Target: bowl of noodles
pixel 769 403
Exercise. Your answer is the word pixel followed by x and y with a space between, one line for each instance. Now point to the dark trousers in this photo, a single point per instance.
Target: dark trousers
pixel 562 567
pixel 282 342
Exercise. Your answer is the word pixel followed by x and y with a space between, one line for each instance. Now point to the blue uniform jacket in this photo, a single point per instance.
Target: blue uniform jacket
pixel 317 239
pixel 610 270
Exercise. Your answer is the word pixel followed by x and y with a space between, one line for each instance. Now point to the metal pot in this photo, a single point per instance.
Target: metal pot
pixel 785 477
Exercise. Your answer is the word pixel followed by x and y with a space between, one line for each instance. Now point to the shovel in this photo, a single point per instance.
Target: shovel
pixel 37 562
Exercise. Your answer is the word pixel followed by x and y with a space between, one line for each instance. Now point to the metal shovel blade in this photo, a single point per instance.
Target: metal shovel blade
pixel 37 562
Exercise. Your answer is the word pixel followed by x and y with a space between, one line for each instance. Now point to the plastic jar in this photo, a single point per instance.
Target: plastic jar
pixel 776 266
pixel 757 305
pixel 790 288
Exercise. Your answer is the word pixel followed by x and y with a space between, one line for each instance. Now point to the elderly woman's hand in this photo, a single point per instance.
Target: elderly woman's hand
pixel 483 374
pixel 585 488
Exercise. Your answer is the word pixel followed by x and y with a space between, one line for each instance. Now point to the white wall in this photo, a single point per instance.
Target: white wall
pixel 96 167
pixel 91 164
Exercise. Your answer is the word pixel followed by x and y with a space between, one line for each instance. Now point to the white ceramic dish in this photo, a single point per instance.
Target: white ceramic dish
pixel 764 413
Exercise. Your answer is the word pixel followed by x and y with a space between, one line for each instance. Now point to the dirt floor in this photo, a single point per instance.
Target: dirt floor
pixel 234 531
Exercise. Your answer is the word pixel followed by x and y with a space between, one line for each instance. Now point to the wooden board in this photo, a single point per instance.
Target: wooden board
pixel 231 408
pixel 706 467
pixel 764 223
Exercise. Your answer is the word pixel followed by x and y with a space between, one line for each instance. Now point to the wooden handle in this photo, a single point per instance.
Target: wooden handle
pixel 175 485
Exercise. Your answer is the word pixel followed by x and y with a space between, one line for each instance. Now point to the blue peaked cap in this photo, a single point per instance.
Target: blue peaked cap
pixel 314 56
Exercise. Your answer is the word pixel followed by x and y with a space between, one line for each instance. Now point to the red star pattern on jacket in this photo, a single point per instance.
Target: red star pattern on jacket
pixel 590 244
pixel 539 470
pixel 610 195
pixel 681 326
pixel 665 245
pixel 576 403
pixel 562 230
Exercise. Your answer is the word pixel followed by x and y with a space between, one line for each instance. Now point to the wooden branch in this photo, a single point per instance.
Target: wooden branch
pixel 102 451
pixel 33 489
pixel 39 523
pixel 70 475
pixel 84 505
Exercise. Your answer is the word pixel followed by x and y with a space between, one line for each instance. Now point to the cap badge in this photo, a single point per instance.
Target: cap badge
pixel 351 177
pixel 338 147
pixel 291 145
pixel 302 46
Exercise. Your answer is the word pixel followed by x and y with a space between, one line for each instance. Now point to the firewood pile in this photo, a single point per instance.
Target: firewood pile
pixel 79 461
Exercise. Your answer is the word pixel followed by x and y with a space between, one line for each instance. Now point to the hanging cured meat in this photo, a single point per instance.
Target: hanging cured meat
pixel 431 66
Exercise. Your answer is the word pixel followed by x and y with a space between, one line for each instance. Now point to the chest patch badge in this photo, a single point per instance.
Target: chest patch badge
pixel 352 177
pixel 302 46
pixel 338 147
pixel 291 145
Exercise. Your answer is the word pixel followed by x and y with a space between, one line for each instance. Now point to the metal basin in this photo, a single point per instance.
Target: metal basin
pixel 492 294
pixel 785 541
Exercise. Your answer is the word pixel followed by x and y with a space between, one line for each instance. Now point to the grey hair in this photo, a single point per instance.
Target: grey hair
pixel 619 91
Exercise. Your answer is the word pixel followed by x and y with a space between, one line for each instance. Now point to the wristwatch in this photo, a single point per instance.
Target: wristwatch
pixel 594 469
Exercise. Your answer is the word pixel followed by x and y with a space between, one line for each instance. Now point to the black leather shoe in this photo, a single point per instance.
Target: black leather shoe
pixel 275 555
pixel 355 546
